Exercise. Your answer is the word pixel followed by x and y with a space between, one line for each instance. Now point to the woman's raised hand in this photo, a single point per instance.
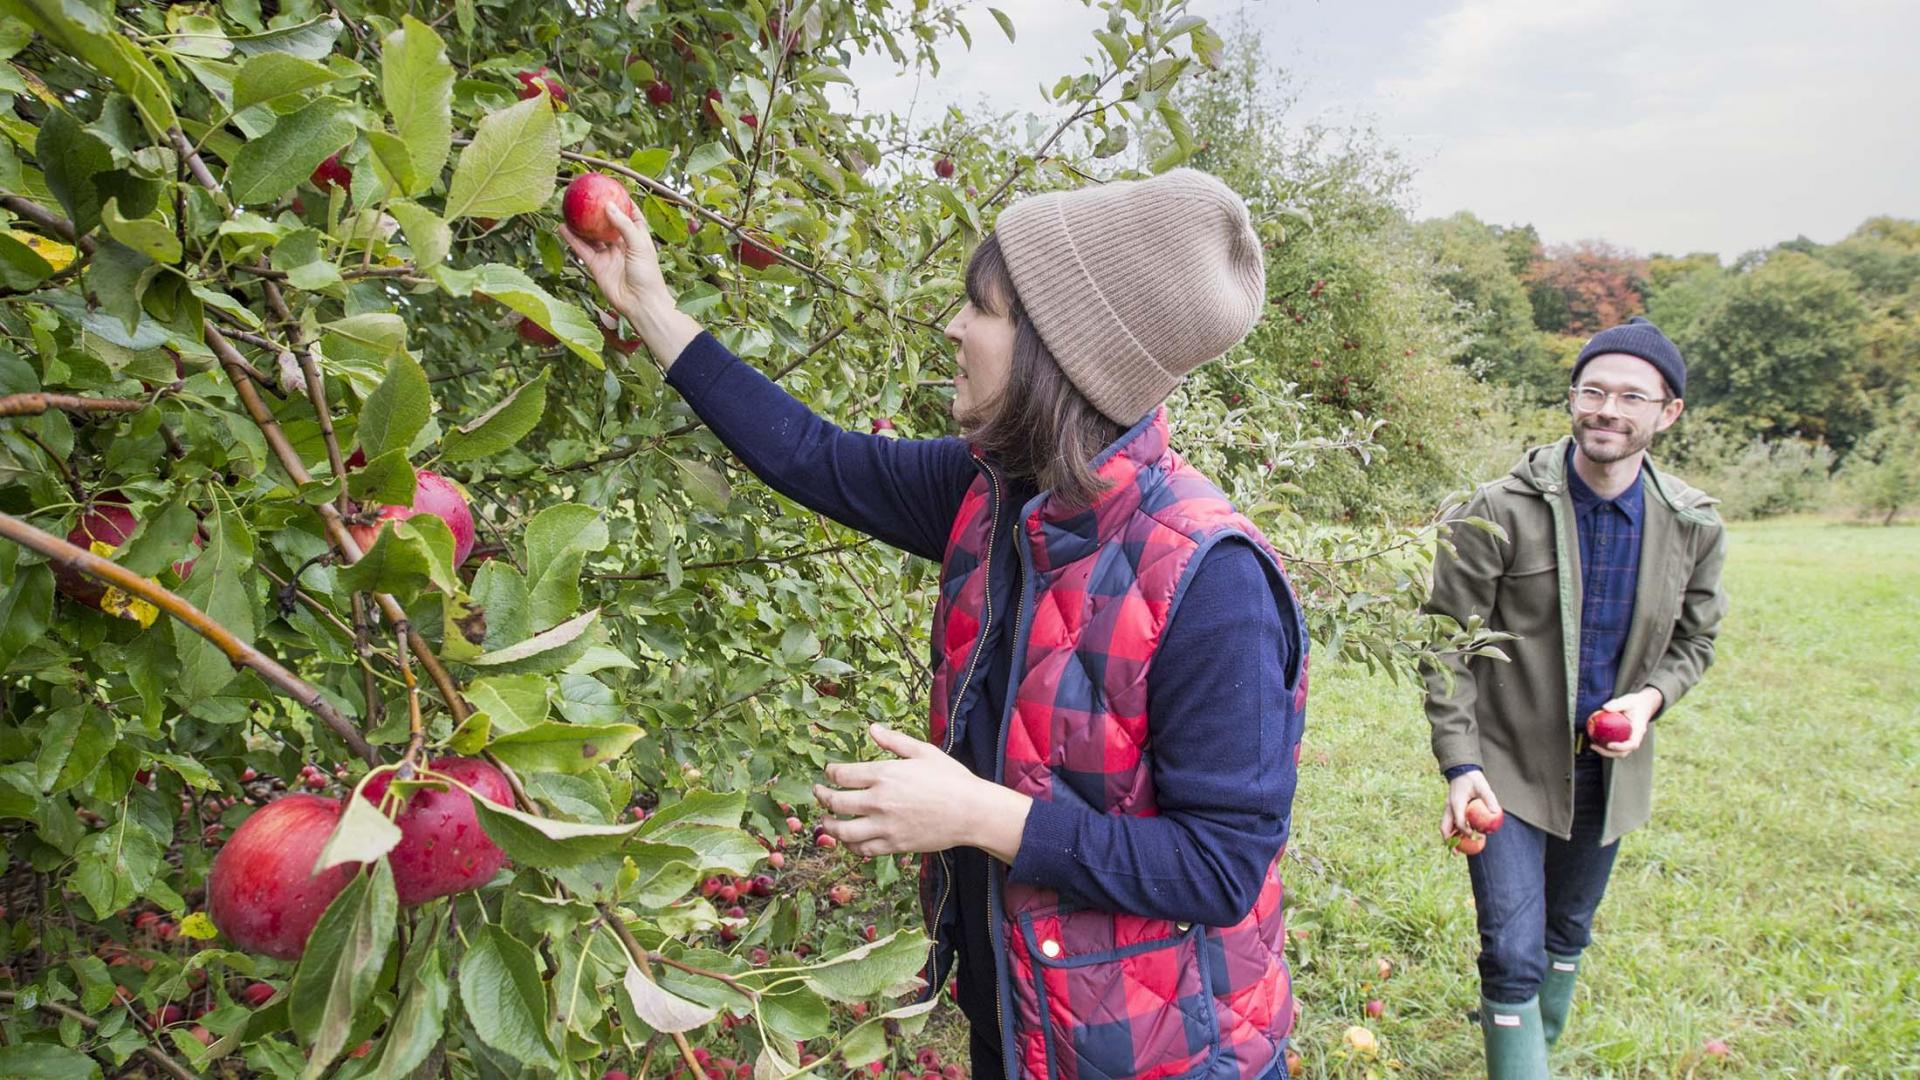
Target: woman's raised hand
pixel 628 273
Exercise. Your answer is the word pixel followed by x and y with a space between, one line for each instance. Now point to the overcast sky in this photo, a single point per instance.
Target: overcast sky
pixel 1660 125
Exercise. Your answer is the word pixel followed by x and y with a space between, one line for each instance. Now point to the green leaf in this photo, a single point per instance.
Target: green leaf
pixel 115 865
pixel 1006 24
pixel 274 75
pixel 509 167
pixel 70 156
pixel 362 835
pixel 515 702
pixel 117 276
pixel 704 484
pixel 797 1013
pixel 698 808
pixel 500 989
pixel 150 236
pixel 46 1061
pixel 718 847
pixel 21 267
pixel 387 479
pixel 342 963
pixel 501 426
pixel 428 236
pixel 502 591
pixel 161 540
pixel 548 842
pixel 556 640
pixel 512 287
pixel 878 968
pixel 310 40
pixel 416 81
pixel 406 555
pixel 218 587
pixel 1116 45
pixel 652 161
pixel 397 409
pixel 420 1018
pixel 268 167
pixel 558 541
pixel 26 609
pixel 708 156
pixel 661 1010
pixel 77 29
pixel 565 748
pixel 392 161
pixel 372 334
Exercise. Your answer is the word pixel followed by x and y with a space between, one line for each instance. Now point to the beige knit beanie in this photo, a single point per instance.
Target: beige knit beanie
pixel 1134 283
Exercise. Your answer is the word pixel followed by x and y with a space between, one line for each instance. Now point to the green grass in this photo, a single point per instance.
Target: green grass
pixel 1773 903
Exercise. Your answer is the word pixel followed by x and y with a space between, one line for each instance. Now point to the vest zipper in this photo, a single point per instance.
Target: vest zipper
pixel 993 872
pixel 953 713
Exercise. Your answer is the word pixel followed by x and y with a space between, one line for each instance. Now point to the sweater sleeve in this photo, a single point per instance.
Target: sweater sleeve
pixel 1223 728
pixel 903 492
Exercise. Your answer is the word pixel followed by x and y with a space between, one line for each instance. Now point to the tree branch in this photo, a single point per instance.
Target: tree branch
pixel 47 220
pixel 237 651
pixel 35 404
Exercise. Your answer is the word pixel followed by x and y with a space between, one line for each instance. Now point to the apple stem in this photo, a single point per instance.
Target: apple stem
pixel 237 651
pixel 158 1056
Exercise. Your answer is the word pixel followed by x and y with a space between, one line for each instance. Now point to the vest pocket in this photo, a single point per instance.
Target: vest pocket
pixel 1119 996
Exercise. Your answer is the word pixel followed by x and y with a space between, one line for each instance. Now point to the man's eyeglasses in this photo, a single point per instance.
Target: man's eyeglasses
pixel 1588 399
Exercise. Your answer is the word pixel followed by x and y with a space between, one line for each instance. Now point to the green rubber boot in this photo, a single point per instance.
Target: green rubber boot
pixel 1516 1046
pixel 1556 994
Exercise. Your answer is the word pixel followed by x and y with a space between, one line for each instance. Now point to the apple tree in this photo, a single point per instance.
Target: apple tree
pixel 395 678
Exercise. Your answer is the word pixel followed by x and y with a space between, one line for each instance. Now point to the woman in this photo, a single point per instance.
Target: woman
pixel 1119 664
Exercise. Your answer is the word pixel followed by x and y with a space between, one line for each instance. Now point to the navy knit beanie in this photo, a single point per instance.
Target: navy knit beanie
pixel 1639 337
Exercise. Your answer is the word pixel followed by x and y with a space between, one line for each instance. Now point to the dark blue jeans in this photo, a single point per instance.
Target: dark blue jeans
pixel 1536 893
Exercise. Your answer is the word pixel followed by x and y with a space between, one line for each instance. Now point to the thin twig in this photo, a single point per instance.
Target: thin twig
pixel 638 954
pixel 59 465
pixel 158 1056
pixel 37 403
pixel 239 652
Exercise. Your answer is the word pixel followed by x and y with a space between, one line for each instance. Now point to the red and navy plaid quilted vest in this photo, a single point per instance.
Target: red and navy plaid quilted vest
pixel 1089 994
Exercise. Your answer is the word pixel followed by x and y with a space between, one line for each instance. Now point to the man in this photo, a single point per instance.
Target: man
pixel 1609 578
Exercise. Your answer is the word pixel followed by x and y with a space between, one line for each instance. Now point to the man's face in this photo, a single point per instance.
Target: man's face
pixel 1636 407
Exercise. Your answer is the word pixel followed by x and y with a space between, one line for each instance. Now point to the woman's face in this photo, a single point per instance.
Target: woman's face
pixel 982 357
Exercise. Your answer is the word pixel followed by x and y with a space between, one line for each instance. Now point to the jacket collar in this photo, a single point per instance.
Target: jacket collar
pixel 1544 470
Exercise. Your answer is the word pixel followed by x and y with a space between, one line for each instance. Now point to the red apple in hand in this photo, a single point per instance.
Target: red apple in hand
pixel 1607 727
pixel 1468 843
pixel 587 203
pixel 432 494
pixel 262 892
pixel 442 849
pixel 331 174
pixel 1483 820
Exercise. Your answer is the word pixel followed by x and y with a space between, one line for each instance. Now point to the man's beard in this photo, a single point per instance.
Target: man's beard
pixel 1628 443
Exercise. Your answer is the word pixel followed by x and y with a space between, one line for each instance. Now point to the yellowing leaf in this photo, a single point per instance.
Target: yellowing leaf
pixel 58 255
pixel 199 927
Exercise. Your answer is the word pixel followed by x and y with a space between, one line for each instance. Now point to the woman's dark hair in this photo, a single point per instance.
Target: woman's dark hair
pixel 1041 426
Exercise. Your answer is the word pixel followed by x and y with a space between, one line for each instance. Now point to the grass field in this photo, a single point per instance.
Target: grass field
pixel 1773 903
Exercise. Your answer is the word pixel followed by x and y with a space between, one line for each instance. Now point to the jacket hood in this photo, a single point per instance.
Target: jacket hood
pixel 1543 469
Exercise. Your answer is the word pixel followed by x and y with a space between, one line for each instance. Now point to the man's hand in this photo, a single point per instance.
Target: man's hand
pixel 922 800
pixel 1462 790
pixel 1639 709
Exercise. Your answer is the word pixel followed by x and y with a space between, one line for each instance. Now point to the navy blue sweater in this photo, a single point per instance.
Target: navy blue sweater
pixel 1219 712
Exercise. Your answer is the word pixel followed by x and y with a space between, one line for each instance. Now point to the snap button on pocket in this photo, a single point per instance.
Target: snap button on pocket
pixel 1050 947
pixel 1183 927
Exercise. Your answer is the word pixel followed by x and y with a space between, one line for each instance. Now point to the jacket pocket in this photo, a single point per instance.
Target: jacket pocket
pixel 1120 996
pixel 1529 599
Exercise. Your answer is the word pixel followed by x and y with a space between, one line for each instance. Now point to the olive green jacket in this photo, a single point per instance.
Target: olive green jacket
pixel 1515 719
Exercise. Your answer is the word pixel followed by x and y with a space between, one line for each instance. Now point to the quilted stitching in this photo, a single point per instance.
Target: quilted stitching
pixel 1104 581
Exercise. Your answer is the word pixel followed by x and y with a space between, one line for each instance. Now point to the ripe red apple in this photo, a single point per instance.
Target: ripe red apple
pixel 1376 1007
pixel 1482 820
pixel 870 932
pixel 754 254
pixel 761 885
pixel 927 1058
pixel 841 895
pixel 1607 727
pixel 1468 843
pixel 826 840
pixel 532 81
pixel 262 892
pixel 943 168
pixel 794 824
pixel 660 92
pixel 613 1074
pixel 750 120
pixel 884 426
pixel 727 893
pixel 442 849
pixel 257 994
pixel 110 522
pixel 587 202
pixel 1715 1048
pixel 711 887
pixel 331 174
pixel 706 107
pixel 432 494
pixel 533 332
pixel 1295 1066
